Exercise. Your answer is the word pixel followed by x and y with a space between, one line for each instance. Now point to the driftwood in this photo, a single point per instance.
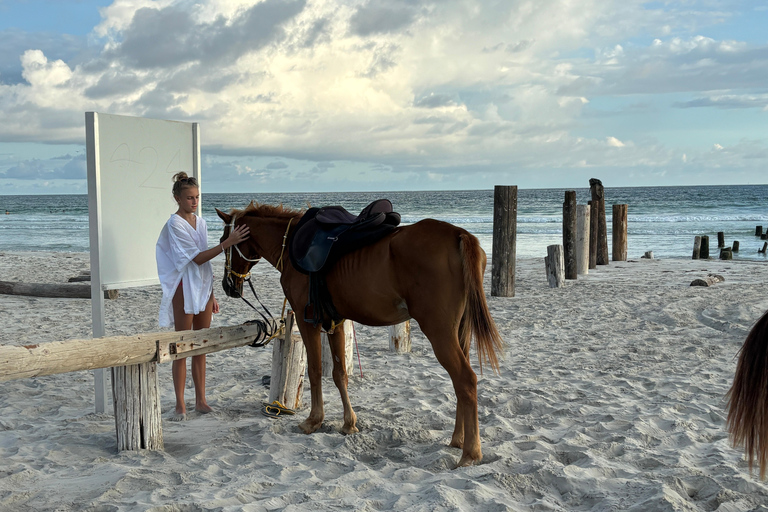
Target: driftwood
pixel 52 290
pixel 708 281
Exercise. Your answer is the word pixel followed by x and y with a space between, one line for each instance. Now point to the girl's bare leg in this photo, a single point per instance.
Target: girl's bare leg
pixel 201 321
pixel 182 322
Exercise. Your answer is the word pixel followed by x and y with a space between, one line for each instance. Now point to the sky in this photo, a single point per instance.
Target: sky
pixel 385 95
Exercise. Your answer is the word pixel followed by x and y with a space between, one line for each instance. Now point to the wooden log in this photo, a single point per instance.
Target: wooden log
pixel 582 239
pixel 79 279
pixel 598 198
pixel 349 350
pixel 704 254
pixel 289 362
pixel 758 230
pixel 726 253
pixel 619 232
pixel 89 354
pixel 52 290
pixel 400 337
pixel 504 251
pixel 136 398
pixel 735 246
pixel 569 234
pixel 708 281
pixel 193 343
pixel 696 248
pixel 554 264
pixel 592 234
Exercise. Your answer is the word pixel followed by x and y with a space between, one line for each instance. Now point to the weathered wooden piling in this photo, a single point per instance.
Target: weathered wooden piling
pixel 720 239
pixel 735 246
pixel 592 235
pixel 758 230
pixel 504 241
pixel 704 254
pixel 765 246
pixel 598 209
pixel 696 248
pixel 569 234
pixel 554 265
pixel 349 350
pixel 582 239
pixel 400 337
pixel 726 253
pixel 288 367
pixel 619 232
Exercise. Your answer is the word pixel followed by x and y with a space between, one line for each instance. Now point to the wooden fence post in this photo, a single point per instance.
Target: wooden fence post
pixel 136 398
pixel 327 358
pixel 696 248
pixel 554 265
pixel 569 234
pixel 582 239
pixel 400 337
pixel 598 210
pixel 504 241
pixel 619 232
pixel 704 254
pixel 288 367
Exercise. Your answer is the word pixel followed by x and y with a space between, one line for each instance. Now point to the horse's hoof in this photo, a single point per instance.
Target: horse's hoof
pixel 308 426
pixel 466 460
pixel 349 430
pixel 456 443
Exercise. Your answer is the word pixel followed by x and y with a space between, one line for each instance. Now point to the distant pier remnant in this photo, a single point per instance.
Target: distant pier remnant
pixel 598 212
pixel 720 239
pixel 582 239
pixel 696 248
pixel 569 234
pixel 758 230
pixel 704 247
pixel 735 246
pixel 619 232
pixel 503 257
pixel 554 263
pixel 765 246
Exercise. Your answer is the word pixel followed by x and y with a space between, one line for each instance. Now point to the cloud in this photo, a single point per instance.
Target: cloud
pixel 382 16
pixel 35 169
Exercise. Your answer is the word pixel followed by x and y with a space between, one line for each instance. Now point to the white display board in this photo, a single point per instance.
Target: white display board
pixel 131 163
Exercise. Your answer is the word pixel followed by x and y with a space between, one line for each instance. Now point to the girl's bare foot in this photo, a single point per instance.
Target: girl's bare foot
pixel 203 408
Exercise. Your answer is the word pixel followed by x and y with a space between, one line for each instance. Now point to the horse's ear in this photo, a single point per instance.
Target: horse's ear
pixel 223 216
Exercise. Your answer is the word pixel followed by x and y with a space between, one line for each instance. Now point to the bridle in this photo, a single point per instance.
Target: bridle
pixel 269 327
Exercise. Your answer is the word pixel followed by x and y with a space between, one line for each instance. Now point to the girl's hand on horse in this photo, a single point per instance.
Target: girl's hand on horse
pixel 240 233
pixel 215 306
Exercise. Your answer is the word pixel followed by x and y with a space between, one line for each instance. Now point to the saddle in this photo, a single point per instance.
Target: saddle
pixel 322 236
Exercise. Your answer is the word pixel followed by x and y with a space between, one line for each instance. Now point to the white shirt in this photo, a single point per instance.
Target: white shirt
pixel 176 247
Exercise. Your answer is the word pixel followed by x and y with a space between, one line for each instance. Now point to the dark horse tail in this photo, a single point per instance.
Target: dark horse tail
pixel 476 318
pixel 748 397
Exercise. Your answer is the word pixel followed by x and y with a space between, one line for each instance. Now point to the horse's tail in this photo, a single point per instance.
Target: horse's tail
pixel 747 400
pixel 476 319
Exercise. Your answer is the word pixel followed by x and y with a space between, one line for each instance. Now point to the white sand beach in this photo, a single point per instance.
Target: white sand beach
pixel 610 397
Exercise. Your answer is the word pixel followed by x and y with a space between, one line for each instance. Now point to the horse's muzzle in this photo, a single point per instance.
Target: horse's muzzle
pixel 233 288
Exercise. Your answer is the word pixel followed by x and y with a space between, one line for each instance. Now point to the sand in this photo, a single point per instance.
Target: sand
pixel 610 397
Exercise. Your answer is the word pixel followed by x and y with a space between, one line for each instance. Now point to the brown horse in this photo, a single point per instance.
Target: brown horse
pixel 430 271
pixel 748 397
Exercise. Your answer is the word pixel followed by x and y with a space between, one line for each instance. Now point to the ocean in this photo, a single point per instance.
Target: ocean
pixel 664 220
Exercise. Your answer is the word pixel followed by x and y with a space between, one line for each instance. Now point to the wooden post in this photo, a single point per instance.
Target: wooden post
pixel 569 234
pixel 765 246
pixel 696 248
pixel 504 241
pixel 598 207
pixel 582 239
pixel 619 232
pixel 592 235
pixel 704 254
pixel 554 265
pixel 758 230
pixel 720 239
pixel 288 367
pixel 735 246
pixel 400 337
pixel 349 349
pixel 648 255
pixel 136 398
pixel 726 253
pixel 764 236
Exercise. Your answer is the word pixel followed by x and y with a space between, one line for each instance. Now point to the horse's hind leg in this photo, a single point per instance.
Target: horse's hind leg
pixel 457 440
pixel 445 343
pixel 311 337
pixel 337 342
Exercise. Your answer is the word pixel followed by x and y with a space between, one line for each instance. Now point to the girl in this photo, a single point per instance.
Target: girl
pixel 186 276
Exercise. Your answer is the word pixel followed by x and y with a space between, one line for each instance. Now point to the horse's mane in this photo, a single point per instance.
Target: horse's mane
pixel 267 210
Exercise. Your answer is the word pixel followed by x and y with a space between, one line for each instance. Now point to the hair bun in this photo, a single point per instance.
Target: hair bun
pixel 180 176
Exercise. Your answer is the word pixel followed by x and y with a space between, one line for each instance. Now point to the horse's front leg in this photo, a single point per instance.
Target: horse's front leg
pixel 311 337
pixel 337 342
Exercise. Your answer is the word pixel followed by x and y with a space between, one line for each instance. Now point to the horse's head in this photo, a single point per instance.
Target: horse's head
pixel 239 258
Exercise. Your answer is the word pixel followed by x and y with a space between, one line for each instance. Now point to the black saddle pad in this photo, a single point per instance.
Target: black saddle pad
pixel 325 234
